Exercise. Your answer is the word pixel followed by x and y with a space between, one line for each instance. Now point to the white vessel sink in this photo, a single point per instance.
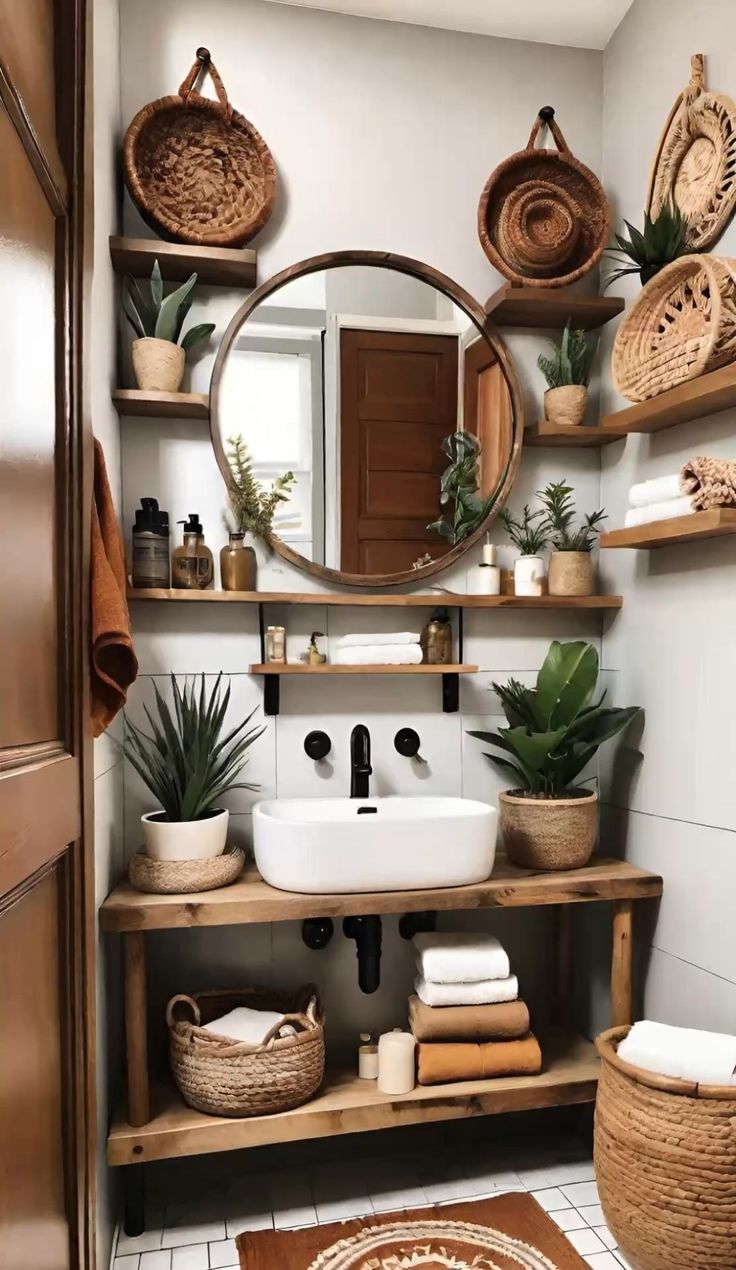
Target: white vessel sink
pixel 346 845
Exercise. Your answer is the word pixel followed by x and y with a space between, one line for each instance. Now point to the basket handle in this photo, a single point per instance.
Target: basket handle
pixel 547 116
pixel 303 1020
pixel 183 999
pixel 203 64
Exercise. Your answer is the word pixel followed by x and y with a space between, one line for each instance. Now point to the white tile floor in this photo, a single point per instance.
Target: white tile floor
pixel 198 1232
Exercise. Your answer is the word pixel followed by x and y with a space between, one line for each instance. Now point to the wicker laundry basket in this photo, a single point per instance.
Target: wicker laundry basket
pixel 665 1162
pixel 197 170
pixel 225 1078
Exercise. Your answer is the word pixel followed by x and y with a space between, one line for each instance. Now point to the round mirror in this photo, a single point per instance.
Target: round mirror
pixel 371 393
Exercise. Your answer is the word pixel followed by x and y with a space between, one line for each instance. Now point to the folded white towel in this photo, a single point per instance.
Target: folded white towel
pixel 658 511
pixel 658 490
pixel 707 1058
pixel 379 655
pixel 370 641
pixel 249 1026
pixel 460 957
pixel 485 992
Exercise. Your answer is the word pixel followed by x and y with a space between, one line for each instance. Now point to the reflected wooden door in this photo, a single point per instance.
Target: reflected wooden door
pixel 487 412
pixel 398 400
pixel 45 978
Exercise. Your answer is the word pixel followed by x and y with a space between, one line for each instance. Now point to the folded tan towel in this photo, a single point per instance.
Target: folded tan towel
pixel 709 482
pixel 468 1022
pixel 442 1063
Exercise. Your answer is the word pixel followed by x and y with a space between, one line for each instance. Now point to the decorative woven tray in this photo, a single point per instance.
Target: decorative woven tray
pixel 179 877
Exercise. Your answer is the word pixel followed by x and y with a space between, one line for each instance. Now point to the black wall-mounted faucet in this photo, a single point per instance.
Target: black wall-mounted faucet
pixel 360 761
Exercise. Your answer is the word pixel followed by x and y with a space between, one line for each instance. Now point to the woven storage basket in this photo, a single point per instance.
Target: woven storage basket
pixel 543 217
pixel 665 1163
pixel 682 325
pixel 223 1078
pixel 197 170
pixel 182 877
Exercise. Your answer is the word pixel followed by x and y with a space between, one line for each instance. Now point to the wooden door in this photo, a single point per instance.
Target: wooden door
pixel 46 1014
pixel 487 412
pixel 398 400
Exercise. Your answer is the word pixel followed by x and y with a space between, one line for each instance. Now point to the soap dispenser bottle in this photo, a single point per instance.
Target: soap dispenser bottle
pixel 192 566
pixel 150 556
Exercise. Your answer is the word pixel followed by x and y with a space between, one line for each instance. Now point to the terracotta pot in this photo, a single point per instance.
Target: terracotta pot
pixel 158 364
pixel 571 573
pixel 566 405
pixel 549 833
pixel 185 839
pixel 529 575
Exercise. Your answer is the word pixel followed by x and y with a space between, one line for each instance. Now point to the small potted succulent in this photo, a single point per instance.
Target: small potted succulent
pixel 567 372
pixel 547 820
pixel 530 535
pixel 158 356
pixel 570 570
pixel 662 241
pixel 252 509
pixel 188 763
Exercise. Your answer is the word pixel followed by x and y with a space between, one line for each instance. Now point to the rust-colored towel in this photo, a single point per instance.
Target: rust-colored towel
pixel 709 483
pixel 468 1022
pixel 441 1063
pixel 113 664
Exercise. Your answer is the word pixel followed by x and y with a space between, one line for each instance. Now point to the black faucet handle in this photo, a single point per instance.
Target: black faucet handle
pixel 407 742
pixel 317 745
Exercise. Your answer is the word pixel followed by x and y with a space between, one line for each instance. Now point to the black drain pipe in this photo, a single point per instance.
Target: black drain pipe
pixel 366 931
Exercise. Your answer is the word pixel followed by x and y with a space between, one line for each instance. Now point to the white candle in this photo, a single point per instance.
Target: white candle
pixel 396 1062
pixel 489 553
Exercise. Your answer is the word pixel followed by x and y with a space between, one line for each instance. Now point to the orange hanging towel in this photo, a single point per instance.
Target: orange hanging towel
pixel 113 663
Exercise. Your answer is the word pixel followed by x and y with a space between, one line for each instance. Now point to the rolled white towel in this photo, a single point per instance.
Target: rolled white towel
pixel 379 655
pixel 707 1058
pixel 460 957
pixel 658 490
pixel 248 1026
pixel 659 511
pixel 385 637
pixel 485 992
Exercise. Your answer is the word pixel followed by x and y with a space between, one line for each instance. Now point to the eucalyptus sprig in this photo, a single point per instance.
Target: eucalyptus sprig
pixel 161 317
pixel 251 504
pixel 560 514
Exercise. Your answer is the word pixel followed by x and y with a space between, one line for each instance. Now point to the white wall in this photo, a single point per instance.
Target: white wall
pixel 671 648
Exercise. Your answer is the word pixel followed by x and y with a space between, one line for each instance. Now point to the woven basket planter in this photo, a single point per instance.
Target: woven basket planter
pixel 197 170
pixel 183 877
pixel 223 1078
pixel 549 833
pixel 665 1162
pixel 682 325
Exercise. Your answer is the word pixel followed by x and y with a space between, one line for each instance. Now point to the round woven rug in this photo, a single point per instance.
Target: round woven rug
pixel 453 1244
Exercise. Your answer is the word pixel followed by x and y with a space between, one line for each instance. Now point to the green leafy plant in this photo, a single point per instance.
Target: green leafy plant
pixel 465 510
pixel 571 361
pixel 187 763
pixel 530 534
pixel 645 253
pixel 162 317
pixel 252 505
pixel 560 509
pixel 554 729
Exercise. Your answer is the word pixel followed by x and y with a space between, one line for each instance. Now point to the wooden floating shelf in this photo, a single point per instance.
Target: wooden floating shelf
pixel 360 600
pixel 706 395
pixel 250 899
pixel 665 533
pixel 550 307
pixel 553 435
pixel 161 405
pixel 288 668
pixel 220 266
pixel 347 1104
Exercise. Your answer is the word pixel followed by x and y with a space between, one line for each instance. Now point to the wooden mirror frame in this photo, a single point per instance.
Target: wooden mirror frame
pixel 414 269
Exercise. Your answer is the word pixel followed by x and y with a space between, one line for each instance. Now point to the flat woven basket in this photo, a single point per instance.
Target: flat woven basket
pixel 543 217
pixel 665 1163
pixel 182 877
pixel 197 170
pixel 226 1078
pixel 683 324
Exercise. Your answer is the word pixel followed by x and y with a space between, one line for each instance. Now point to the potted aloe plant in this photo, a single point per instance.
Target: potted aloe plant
pixel 547 820
pixel 188 763
pixel 158 356
pixel 570 569
pixel 530 536
pixel 663 239
pixel 567 372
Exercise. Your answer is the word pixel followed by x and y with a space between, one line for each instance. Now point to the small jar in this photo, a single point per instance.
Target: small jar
pixel 275 643
pixel 367 1057
pixel 436 640
pixel 237 564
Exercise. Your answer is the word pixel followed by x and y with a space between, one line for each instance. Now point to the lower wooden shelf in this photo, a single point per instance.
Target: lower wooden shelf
pixel 558 435
pixel 290 668
pixel 350 1105
pixel 665 533
pixel 161 405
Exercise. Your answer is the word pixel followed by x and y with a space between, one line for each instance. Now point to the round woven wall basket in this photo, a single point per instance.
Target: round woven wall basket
pixel 683 324
pixel 543 217
pixel 226 1078
pixel 665 1163
pixel 197 170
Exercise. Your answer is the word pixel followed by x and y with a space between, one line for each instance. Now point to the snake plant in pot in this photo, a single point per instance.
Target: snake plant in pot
pixel 567 373
pixel 554 731
pixel 156 319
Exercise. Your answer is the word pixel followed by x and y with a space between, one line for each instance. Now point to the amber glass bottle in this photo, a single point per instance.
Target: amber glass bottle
pixel 192 566
pixel 238 564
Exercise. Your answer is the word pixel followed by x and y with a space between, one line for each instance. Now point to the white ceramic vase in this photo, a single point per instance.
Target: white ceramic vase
pixel 185 839
pixel 529 575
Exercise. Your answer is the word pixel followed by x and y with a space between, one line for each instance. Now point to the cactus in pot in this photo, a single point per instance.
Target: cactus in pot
pixel 159 351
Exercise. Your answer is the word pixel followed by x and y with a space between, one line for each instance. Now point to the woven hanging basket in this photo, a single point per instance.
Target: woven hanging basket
pixel 665 1163
pixel 543 217
pixel 197 170
pixel 226 1078
pixel 695 164
pixel 682 325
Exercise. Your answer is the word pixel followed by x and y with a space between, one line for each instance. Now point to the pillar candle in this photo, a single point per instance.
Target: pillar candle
pixel 396 1062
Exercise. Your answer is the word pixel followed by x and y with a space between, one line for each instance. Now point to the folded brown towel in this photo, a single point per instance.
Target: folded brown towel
pixel 440 1063
pixel 468 1022
pixel 113 663
pixel 709 483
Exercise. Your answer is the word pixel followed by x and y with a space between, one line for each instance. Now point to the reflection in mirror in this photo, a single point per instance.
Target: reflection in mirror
pixel 391 409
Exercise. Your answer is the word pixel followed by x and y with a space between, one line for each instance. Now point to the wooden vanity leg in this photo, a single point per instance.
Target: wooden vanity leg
pixel 134 1207
pixel 136 1041
pixel 562 1008
pixel 621 964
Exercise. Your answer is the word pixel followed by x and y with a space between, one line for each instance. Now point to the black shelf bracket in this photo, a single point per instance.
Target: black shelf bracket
pixel 271 694
pixel 450 693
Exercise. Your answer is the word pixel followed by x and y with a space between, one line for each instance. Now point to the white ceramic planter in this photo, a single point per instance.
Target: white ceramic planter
pixel 185 839
pixel 529 575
